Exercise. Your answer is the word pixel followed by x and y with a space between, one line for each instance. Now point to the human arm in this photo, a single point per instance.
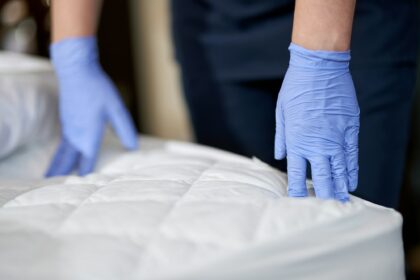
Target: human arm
pixel 75 18
pixel 323 25
pixel 88 99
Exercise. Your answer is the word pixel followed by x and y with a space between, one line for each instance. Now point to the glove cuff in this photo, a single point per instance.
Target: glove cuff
pixel 301 57
pixel 70 54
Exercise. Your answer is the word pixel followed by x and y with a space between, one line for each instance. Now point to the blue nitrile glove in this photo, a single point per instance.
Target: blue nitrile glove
pixel 88 101
pixel 317 120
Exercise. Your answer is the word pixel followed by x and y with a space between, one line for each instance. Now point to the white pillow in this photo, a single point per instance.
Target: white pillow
pixel 28 101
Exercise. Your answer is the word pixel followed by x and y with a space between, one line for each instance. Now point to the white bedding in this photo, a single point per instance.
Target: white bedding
pixel 181 211
pixel 28 94
pixel 169 211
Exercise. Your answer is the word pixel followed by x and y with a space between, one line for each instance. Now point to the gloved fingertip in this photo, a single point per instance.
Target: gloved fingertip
pixel 342 198
pixel 279 154
pixel 49 173
pixel 51 170
pixel 352 157
pixel 352 187
pixel 123 126
pixel 84 172
pixel 353 182
pixel 340 178
pixel 279 150
pixel 279 144
pixel 131 143
pixel 63 161
pixel 296 176
pixel 341 188
pixel 300 191
pixel 86 166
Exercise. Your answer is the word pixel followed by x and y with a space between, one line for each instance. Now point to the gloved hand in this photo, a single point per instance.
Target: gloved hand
pixel 317 120
pixel 88 101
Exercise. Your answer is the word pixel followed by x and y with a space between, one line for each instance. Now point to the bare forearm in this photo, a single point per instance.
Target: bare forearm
pixel 74 18
pixel 323 24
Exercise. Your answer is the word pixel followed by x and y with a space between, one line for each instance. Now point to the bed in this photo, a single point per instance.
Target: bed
pixel 176 210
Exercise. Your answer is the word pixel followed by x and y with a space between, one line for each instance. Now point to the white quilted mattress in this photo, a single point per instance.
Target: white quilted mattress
pixel 182 211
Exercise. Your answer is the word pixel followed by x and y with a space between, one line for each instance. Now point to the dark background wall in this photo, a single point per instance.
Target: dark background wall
pixel 115 43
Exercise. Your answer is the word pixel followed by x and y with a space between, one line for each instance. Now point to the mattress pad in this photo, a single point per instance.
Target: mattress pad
pixel 182 211
pixel 28 101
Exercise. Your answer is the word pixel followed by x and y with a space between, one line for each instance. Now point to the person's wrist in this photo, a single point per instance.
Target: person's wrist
pixel 331 41
pixel 72 54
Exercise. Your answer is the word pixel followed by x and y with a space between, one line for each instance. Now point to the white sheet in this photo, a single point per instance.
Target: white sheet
pixel 28 101
pixel 182 211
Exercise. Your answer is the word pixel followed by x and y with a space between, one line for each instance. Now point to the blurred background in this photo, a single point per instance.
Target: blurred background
pixel 137 60
pixel 137 52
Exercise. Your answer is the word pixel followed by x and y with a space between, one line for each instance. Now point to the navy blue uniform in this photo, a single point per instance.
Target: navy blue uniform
pixel 233 56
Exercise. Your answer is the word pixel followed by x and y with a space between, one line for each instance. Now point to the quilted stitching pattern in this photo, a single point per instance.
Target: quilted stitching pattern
pixel 151 210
